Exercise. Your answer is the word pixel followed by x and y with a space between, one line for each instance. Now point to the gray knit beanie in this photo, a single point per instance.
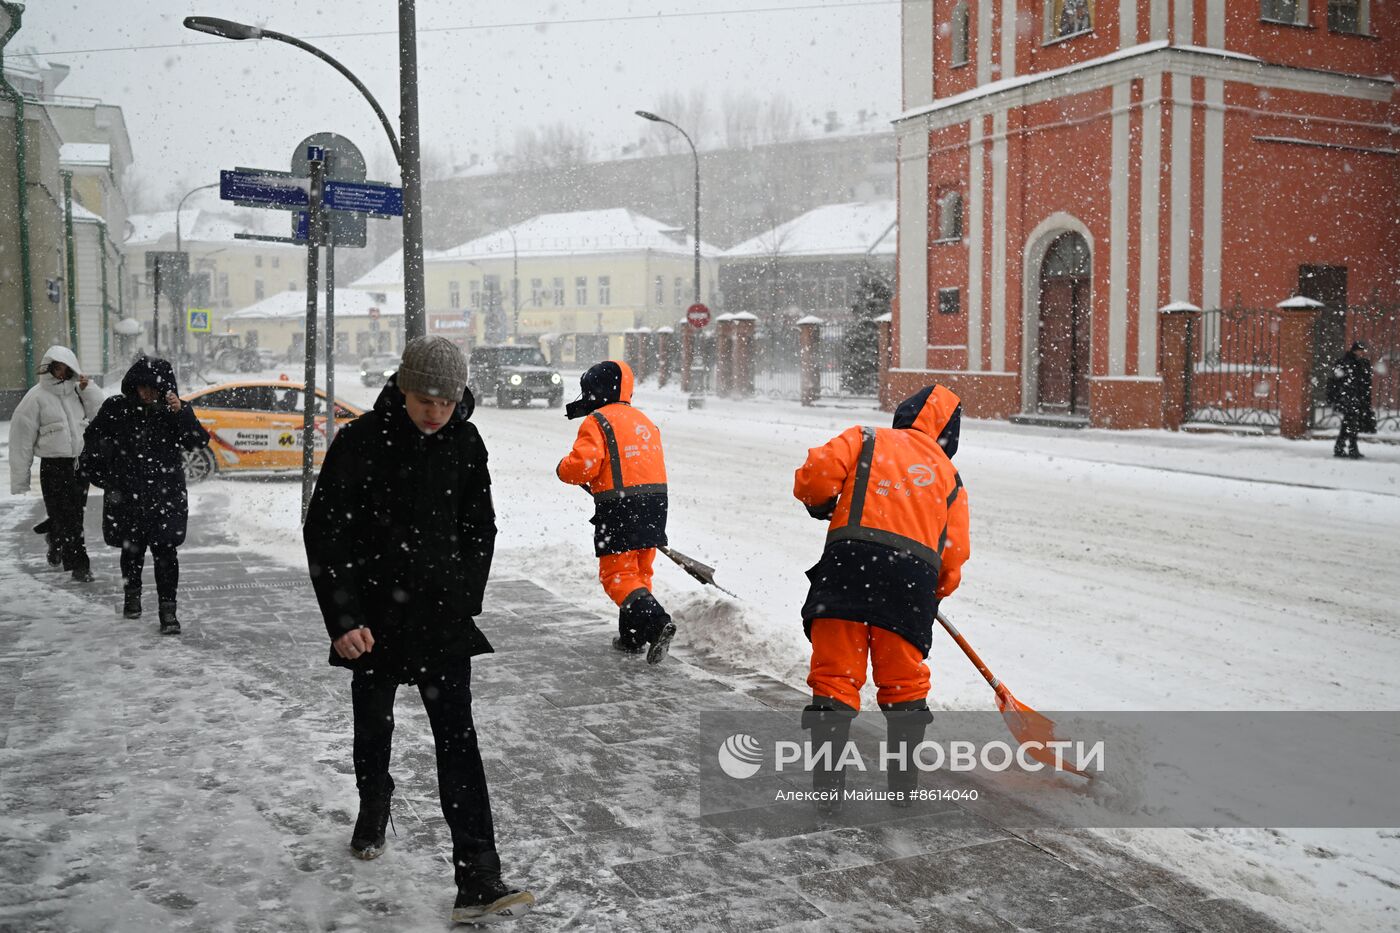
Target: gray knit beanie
pixel 433 366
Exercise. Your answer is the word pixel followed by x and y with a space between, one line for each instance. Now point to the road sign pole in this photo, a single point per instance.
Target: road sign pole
pixel 313 244
pixel 330 340
pixel 155 313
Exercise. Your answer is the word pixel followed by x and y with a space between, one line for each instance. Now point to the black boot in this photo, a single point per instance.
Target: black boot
pixel 367 841
pixel 82 572
pixel 627 640
pixel 55 556
pixel 829 721
pixel 905 724
pixel 644 623
pixel 1355 454
pixel 131 604
pixel 482 897
pixel 169 625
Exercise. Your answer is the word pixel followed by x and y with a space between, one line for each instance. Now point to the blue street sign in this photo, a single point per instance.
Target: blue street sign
pixel 368 198
pixel 270 189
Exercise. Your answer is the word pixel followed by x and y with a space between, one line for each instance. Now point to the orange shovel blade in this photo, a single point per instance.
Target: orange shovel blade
pixel 1031 728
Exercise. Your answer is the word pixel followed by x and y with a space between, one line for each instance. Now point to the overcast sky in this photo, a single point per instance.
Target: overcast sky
pixel 195 104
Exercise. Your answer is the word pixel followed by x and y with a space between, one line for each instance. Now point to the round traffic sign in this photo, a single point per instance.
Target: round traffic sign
pixel 698 315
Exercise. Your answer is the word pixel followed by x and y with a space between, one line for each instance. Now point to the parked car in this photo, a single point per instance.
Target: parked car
pixel 514 375
pixel 256 425
pixel 376 370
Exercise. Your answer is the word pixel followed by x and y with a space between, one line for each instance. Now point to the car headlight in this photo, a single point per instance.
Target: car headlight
pixel 516 380
pixel 554 378
pixel 388 373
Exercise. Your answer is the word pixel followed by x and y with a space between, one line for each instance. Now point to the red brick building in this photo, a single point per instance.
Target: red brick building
pixel 1069 167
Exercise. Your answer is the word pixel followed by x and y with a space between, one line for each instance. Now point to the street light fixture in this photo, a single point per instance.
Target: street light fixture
pixel 648 115
pixel 407 155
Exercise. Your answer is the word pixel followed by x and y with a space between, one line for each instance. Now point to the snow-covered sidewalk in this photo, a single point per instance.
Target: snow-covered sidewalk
pixel 202 783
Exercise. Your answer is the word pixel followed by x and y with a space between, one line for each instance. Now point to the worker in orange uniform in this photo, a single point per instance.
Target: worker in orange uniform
pixel 617 457
pixel 895 546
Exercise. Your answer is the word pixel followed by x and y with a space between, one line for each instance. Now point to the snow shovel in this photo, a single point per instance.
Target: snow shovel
pixel 1028 726
pixel 702 572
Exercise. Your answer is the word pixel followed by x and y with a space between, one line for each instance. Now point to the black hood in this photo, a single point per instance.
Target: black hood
pixel 390 400
pixel 934 410
pixel 149 371
pixel 603 384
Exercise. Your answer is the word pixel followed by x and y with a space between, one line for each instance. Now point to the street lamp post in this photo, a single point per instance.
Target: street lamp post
pixel 646 115
pixel 407 155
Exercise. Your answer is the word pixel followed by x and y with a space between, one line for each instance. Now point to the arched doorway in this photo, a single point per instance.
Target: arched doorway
pixel 1062 340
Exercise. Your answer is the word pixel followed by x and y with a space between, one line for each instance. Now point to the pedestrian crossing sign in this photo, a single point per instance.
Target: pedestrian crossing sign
pixel 198 322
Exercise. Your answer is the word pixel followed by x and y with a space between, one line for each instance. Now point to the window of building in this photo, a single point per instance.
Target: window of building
pixel 961 26
pixel 950 216
pixel 581 290
pixel 454 295
pixel 604 289
pixel 660 291
pixel 474 292
pixel 276 262
pixel 257 261
pixel 258 291
pixel 836 295
pixel 1289 12
pixel 223 284
pixel 949 301
pixel 537 292
pixel 1065 18
pixel 559 291
pixel 291 286
pixel 1349 16
pixel 678 291
pixel 250 339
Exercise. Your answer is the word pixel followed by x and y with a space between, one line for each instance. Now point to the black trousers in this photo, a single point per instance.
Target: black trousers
pixel 461 778
pixel 65 499
pixel 167 568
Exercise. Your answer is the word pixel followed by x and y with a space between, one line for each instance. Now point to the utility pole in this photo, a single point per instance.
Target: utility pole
pixel 415 321
pixel 316 235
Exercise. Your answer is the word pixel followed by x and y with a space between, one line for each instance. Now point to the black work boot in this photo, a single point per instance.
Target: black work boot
pixel 131 603
pixel 55 556
pixel 367 841
pixel 644 623
pixel 905 724
pixel 169 625
pixel 829 721
pixel 628 640
pixel 482 897
pixel 82 572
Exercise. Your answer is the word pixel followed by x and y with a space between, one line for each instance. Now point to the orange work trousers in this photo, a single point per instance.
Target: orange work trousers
pixel 839 652
pixel 622 574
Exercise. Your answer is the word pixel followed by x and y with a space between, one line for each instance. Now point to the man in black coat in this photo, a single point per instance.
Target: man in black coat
pixel 135 450
pixel 399 540
pixel 1349 392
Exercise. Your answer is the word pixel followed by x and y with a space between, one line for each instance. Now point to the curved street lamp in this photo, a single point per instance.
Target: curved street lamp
pixel 408 155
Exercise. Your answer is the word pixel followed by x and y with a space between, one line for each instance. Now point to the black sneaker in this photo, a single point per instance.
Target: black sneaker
pixel 486 899
pixel 169 625
pixel 1356 455
pixel 367 841
pixel 661 644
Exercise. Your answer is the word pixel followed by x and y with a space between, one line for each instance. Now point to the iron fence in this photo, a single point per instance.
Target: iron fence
pixel 1234 377
pixel 847 359
pixel 1378 325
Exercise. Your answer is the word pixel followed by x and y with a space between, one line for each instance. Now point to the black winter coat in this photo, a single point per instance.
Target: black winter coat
pixel 399 538
pixel 135 453
pixel 1349 391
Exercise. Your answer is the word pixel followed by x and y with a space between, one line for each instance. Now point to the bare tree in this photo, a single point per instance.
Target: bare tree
pixel 551 147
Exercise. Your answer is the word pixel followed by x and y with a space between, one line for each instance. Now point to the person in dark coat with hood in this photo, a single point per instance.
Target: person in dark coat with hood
pixel 399 539
pixel 1349 392
pixel 895 545
pixel 134 450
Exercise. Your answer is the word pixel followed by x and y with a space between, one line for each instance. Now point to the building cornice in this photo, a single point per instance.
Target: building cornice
pixel 1148 59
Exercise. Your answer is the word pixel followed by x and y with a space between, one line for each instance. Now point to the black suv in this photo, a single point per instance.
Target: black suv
pixel 514 375
pixel 376 370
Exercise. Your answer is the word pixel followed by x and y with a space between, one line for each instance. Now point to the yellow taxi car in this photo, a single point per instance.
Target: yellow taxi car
pixel 256 426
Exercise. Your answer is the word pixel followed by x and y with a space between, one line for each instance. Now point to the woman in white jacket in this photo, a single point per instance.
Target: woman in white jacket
pixel 49 423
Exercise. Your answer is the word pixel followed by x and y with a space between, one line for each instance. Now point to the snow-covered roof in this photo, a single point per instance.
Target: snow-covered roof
pixel 349 302
pixel 388 274
pixel 85 154
pixel 81 215
pixel 612 230
pixel 854 229
pixel 199 225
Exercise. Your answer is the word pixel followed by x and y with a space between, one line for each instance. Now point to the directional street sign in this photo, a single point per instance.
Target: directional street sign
pixel 256 188
pixel 378 200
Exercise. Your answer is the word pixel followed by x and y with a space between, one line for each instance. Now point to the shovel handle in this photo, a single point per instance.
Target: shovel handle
pixel 967 650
